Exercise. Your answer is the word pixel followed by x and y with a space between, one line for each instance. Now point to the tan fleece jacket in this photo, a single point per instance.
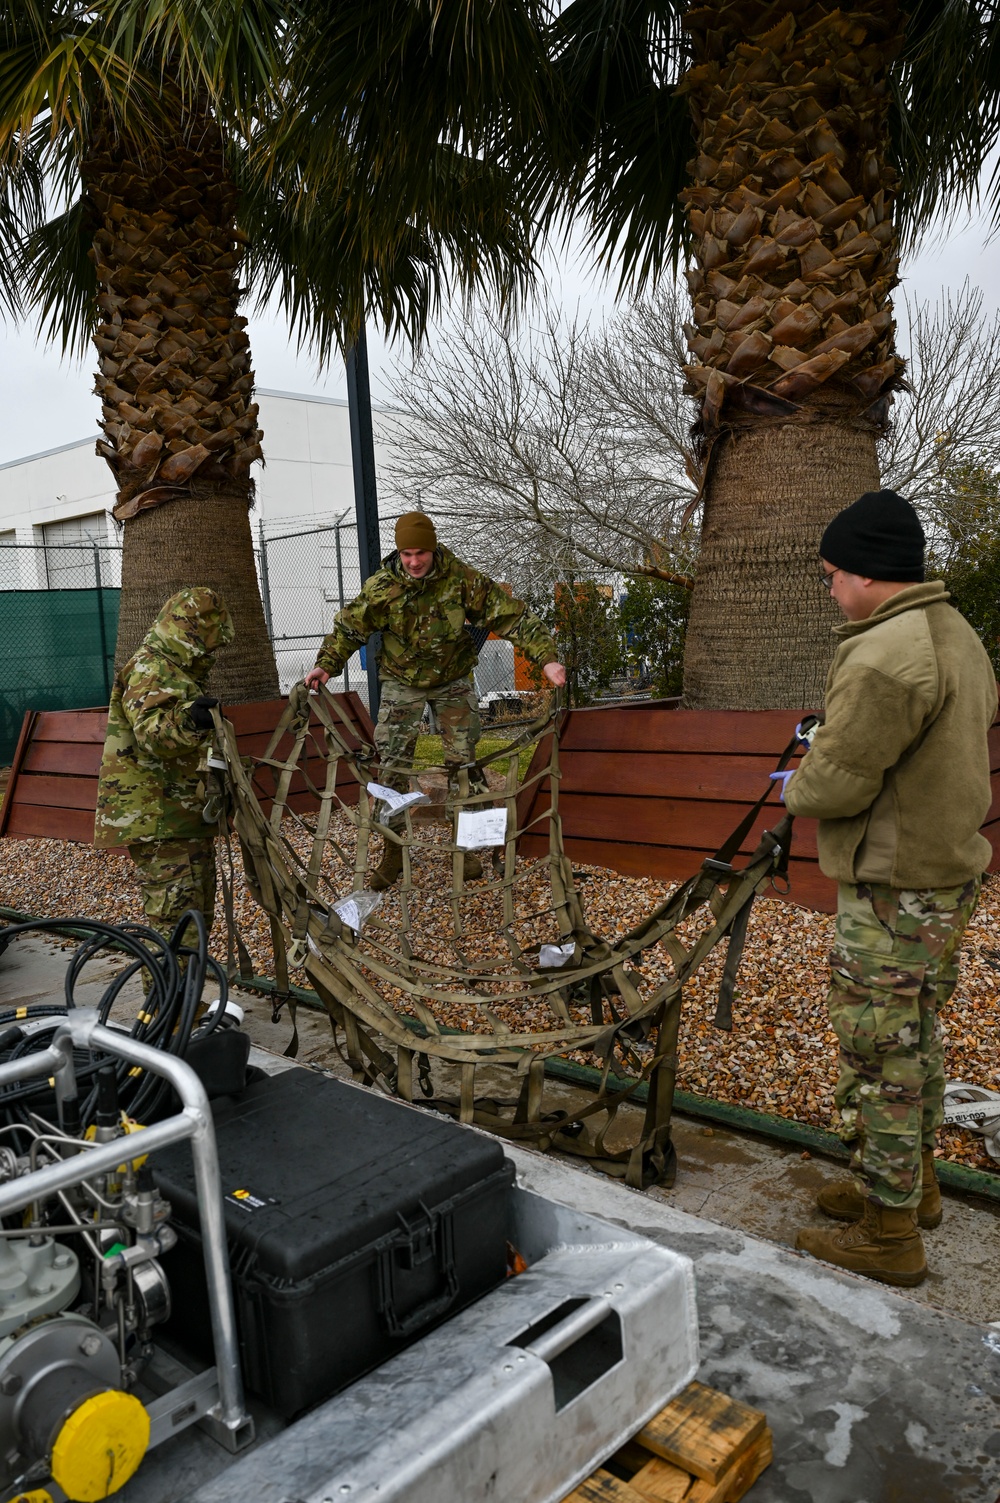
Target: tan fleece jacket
pixel 899 774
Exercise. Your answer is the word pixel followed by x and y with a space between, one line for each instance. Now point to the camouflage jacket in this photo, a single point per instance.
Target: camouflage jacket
pixel 152 779
pixel 424 639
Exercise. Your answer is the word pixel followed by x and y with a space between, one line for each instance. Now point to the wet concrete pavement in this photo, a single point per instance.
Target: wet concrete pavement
pixel 873 1395
pixel 736 1180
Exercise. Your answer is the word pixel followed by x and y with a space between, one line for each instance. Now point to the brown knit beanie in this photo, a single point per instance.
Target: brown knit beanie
pixel 414 530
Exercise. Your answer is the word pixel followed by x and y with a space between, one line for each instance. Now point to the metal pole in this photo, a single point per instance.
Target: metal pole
pixel 340 592
pixel 359 403
pixel 265 581
pixel 100 617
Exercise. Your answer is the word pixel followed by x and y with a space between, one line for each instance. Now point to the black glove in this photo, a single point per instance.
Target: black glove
pixel 201 712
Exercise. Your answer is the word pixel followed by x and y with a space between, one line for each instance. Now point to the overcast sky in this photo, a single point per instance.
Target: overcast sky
pixel 46 401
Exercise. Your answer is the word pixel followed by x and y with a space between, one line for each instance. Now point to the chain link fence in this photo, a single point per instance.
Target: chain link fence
pixel 59 623
pixel 58 629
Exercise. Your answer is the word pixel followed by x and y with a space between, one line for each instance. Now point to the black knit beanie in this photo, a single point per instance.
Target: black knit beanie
pixel 879 537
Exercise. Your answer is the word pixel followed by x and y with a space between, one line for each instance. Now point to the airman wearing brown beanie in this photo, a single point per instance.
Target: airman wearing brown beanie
pixel 421 601
pixel 898 776
pixel 415 530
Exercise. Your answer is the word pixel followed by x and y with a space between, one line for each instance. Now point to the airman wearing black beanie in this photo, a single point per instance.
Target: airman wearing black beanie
pixel 898 778
pixel 879 537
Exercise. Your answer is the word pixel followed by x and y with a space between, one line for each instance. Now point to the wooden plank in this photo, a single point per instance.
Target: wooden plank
pixel 809 887
pixel 602 1487
pixel 58 793
pixel 50 824
pixel 23 741
pixel 736 732
pixel 261 715
pixel 71 725
pixel 748 1468
pixel 677 775
pixel 703 1431
pixel 697 825
pixel 629 1458
pixel 59 755
pixel 78 758
pixel 662 1482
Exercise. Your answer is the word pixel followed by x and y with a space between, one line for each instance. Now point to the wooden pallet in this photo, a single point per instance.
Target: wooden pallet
pixel 703 1448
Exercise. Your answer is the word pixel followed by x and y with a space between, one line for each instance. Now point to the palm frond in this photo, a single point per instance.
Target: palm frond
pixel 230 51
pixel 63 76
pixel 333 259
pixel 22 208
pixel 946 107
pixel 398 78
pixel 621 135
pixel 60 282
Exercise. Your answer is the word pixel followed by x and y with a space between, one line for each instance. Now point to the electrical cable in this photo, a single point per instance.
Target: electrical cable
pixel 174 980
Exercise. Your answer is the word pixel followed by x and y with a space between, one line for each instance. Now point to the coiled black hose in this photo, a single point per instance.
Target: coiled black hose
pixel 175 976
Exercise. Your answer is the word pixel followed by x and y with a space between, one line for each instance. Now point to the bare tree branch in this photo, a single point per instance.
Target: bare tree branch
pixel 950 416
pixel 551 450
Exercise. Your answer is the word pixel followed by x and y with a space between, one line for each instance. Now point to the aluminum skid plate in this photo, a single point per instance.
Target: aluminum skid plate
pixel 514 1400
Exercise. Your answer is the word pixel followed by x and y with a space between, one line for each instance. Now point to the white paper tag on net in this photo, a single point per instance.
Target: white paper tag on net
pixel 550 956
pixel 357 908
pixel 396 802
pixel 479 827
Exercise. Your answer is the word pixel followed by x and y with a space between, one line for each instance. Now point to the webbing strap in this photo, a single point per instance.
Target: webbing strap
pixel 729 848
pixel 385 990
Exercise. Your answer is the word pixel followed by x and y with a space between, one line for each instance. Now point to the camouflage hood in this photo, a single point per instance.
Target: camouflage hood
pixel 193 623
pixel 152 779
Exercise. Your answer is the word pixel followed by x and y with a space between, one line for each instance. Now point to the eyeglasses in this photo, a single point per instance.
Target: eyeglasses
pixel 826 579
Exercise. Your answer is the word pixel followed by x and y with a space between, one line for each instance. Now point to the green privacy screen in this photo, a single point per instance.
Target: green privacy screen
pixel 57 650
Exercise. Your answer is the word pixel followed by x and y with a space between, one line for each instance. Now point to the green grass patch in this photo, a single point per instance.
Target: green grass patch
pixel 429 753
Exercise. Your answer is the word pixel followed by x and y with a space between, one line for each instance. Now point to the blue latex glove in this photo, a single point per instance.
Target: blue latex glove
pixel 781 777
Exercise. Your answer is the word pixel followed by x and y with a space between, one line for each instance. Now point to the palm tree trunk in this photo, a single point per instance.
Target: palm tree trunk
pixel 792 338
pixel 176 383
pixel 759 634
pixel 200 539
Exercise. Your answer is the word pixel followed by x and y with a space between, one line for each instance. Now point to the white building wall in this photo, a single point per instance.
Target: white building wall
pixel 307 475
pixel 306 481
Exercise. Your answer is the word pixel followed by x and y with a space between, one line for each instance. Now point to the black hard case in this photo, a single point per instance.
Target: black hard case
pixel 361 1224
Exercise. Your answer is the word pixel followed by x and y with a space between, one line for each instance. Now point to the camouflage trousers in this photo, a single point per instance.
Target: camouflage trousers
pixel 893 967
pixel 401 709
pixel 175 875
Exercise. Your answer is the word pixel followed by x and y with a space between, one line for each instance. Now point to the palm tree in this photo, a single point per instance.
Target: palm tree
pixel 173 138
pixel 786 147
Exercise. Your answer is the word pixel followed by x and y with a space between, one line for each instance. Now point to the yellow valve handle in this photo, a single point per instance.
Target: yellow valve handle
pixel 128 1124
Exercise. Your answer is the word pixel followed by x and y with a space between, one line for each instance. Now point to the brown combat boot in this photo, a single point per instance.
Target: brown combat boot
pixel 472 867
pixel 845 1202
pixel 884 1245
pixel 388 869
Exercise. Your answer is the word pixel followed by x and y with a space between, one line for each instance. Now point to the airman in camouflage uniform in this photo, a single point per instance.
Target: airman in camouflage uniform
pixel 420 601
pixel 898 776
pixel 152 786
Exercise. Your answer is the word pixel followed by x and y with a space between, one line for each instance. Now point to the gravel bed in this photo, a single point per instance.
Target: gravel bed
pixel 781 1057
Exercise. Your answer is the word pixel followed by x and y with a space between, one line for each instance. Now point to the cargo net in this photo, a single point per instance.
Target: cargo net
pixel 510 956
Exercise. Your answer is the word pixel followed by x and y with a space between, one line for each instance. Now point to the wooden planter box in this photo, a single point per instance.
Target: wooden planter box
pixel 650 790
pixel 53 779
